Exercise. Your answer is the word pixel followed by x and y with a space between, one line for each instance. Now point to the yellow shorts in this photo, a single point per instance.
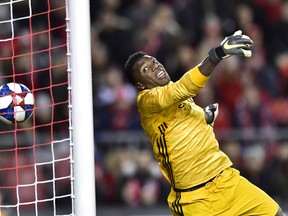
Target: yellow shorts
pixel 229 194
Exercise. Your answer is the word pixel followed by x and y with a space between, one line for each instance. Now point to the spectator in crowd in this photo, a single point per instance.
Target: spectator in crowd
pixel 118 99
pixel 252 114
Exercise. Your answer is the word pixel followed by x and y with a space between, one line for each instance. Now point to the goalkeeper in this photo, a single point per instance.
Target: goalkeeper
pixel 200 174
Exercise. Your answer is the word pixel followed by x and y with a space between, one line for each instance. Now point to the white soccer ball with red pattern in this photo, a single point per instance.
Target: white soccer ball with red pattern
pixel 16 103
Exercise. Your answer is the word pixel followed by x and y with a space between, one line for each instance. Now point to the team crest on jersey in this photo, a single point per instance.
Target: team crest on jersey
pixel 186 105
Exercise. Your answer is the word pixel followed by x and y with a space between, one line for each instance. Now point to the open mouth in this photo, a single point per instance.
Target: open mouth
pixel 161 74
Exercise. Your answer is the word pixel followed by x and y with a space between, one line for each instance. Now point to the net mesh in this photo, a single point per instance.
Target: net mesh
pixel 35 156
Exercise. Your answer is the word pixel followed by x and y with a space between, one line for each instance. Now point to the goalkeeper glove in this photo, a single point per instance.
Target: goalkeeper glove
pixel 236 44
pixel 211 113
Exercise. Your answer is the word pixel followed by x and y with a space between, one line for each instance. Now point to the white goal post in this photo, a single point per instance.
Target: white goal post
pixel 85 202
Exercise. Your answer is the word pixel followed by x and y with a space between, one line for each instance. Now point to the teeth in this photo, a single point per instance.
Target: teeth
pixel 161 73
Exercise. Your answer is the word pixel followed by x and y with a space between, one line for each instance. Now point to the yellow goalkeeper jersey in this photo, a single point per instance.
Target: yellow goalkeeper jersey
pixel 183 144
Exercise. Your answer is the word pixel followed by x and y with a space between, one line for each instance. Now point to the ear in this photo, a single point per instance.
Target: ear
pixel 140 86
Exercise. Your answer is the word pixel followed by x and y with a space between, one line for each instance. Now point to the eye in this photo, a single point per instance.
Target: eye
pixel 155 61
pixel 145 69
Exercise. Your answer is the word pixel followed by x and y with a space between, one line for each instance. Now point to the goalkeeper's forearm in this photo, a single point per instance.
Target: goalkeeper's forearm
pixel 206 67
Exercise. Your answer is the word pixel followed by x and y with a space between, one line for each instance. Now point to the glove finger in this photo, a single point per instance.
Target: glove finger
pixel 238 32
pixel 235 48
pixel 247 47
pixel 245 36
pixel 246 53
pixel 242 41
pixel 248 39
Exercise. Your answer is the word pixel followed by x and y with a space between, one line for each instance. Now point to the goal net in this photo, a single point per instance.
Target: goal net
pixel 36 164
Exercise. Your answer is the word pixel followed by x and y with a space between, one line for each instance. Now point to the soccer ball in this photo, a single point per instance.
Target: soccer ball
pixel 16 103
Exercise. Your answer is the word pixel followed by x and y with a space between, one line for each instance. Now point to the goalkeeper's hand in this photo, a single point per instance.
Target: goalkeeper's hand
pixel 211 113
pixel 236 44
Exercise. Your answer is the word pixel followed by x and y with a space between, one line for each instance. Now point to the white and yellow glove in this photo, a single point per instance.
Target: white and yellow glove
pixel 211 113
pixel 236 44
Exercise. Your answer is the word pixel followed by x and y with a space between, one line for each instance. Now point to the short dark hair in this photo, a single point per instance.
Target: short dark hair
pixel 129 65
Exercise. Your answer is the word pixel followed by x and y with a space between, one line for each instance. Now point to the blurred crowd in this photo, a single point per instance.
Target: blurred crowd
pixel 252 92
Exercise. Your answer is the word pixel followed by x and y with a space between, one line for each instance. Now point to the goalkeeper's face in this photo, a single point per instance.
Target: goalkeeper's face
pixel 149 73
